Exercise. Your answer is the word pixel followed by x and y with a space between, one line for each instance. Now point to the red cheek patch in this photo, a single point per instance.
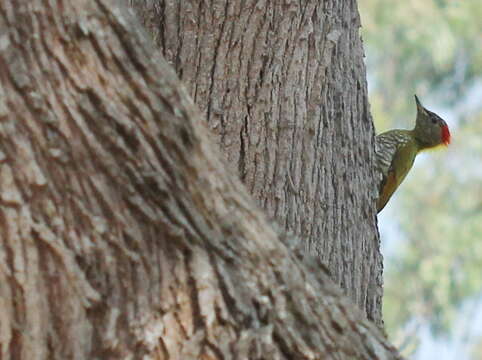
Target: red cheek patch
pixel 445 135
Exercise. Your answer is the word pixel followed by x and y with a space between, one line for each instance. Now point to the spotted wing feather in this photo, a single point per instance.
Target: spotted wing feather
pixel 394 159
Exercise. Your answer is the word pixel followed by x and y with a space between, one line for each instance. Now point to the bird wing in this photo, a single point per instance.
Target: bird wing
pixel 391 153
pixel 387 187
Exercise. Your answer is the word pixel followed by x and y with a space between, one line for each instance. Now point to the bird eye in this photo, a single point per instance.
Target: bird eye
pixel 434 120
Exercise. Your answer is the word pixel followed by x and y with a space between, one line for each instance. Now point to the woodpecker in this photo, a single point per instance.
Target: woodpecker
pixel 396 150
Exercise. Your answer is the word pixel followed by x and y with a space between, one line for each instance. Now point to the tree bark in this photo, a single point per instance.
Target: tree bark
pixel 122 233
pixel 283 86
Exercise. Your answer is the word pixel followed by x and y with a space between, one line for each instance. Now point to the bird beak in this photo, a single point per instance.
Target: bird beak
pixel 420 107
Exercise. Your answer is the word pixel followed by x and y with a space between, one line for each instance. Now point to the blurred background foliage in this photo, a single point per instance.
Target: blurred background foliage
pixel 432 228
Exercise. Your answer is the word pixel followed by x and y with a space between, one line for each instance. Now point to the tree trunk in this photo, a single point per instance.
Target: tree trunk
pixel 123 236
pixel 282 85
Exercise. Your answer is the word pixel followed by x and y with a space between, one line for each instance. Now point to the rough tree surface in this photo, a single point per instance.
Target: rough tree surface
pixel 122 234
pixel 283 86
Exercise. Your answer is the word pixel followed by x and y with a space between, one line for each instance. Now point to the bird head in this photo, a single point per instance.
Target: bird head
pixel 430 129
